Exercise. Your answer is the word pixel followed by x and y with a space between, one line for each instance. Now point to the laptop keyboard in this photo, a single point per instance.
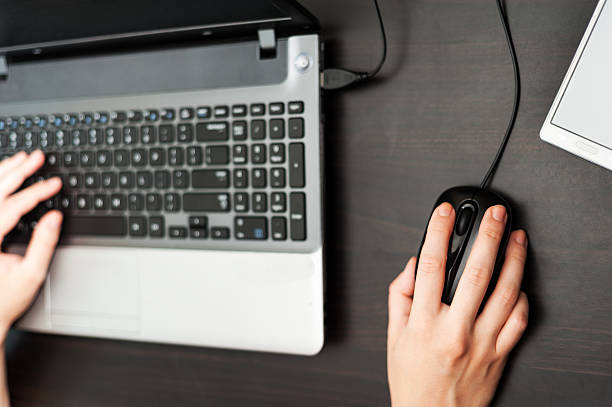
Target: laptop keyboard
pixel 177 174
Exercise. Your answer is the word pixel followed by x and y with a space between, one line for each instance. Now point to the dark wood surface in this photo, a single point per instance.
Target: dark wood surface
pixel 433 120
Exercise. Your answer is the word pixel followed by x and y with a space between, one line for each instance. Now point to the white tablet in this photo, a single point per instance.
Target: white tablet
pixel 580 120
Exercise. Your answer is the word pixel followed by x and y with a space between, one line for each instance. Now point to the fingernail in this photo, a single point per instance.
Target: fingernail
pixel 521 238
pixel 445 210
pixel 499 213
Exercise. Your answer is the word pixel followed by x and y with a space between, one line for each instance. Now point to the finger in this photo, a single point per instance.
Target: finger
pixel 507 290
pixel 42 245
pixel 9 164
pixel 513 329
pixel 477 274
pixel 400 299
pixel 430 272
pixel 13 180
pixel 16 206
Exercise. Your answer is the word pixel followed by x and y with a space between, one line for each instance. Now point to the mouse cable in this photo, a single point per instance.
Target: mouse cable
pixel 334 78
pixel 517 96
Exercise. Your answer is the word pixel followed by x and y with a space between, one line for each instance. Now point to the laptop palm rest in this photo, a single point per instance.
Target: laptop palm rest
pixel 95 297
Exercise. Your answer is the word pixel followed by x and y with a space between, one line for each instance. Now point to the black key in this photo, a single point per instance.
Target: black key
pixel 258 130
pixel 297 214
pixel 46 139
pixel 203 112
pixel 118 116
pixel 71 159
pixel 239 110
pixel 15 140
pixel 296 107
pixel 213 131
pixel 95 226
pixel 260 202
pixel 259 178
pixel 101 117
pixel 95 137
pixel 277 129
pixel 258 153
pixel 118 202
pixel 111 136
pixel 83 202
pixel 195 156
pixel 52 160
pixel 70 119
pixel 172 202
pixel 135 116
pixel 121 158
pixel 144 179
pixel 186 113
pixel 166 133
pixel 88 159
pixel 221 112
pixel 296 128
pixel 239 154
pixel 184 133
pixel 30 140
pixel 153 115
pixel 126 180
pixel 157 157
pixel 277 108
pixel 91 180
pixel 138 226
pixel 104 158
pixel 279 228
pixel 156 226
pixel 168 114
pixel 217 155
pixel 198 233
pixel 74 181
pixel 148 135
pixel 210 178
pixel 176 156
pixel 220 233
pixel 206 202
pixel 108 180
pixel 162 179
pixel 130 135
pixel 277 153
pixel 258 109
pixel 277 178
pixel 136 202
pixel 100 202
pixel 241 178
pixel 279 202
pixel 177 232
pixel 296 165
pixel 139 157
pixel 180 179
pixel 251 228
pixel 3 141
pixel 67 202
pixel 154 202
pixel 241 202
pixel 198 222
pixel 239 130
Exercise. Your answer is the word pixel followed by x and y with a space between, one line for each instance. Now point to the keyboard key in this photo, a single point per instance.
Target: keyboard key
pixel 91 180
pixel 130 135
pixel 71 159
pixel 186 113
pixel 241 178
pixel 213 202
pixel 118 116
pixel 78 138
pixel 157 157
pixel 118 202
pixel 126 180
pixel 162 179
pixel 279 228
pixel 277 108
pixel 156 226
pixel 213 131
pixel 180 179
pixel 177 232
pixel 220 233
pixel 95 137
pixel 239 153
pixel 101 117
pixel 239 130
pixel 88 159
pixel 144 179
pixel 279 202
pixel 104 158
pixel 166 133
pixel 251 228
pixel 198 222
pixel 176 156
pixel 138 226
pixel 148 135
pixel 153 115
pixel 258 130
pixel 184 133
pixel 296 165
pixel 111 136
pixel 277 153
pixel 108 226
pixel 172 202
pixel 52 160
pixel 121 158
pixel 154 202
pixel 258 109
pixel 195 156
pixel 217 155
pixel 46 139
pixel 74 181
pixel 277 178
pixel 136 202
pixel 296 128
pixel 258 154
pixel 221 111
pixel 277 129
pixel 259 177
pixel 241 202
pixel 297 208
pixel 198 233
pixel 210 179
pixel 260 202
pixel 296 107
pixel 83 202
pixel 108 180
pixel 239 110
pixel 204 112
pixel 168 114
pixel 100 202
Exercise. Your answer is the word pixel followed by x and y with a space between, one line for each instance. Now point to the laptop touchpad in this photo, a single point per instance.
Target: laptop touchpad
pixel 90 292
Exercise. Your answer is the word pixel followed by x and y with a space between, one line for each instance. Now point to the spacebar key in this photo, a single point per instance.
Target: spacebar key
pixel 95 226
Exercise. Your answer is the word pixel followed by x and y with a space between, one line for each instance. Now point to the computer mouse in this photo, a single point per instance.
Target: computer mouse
pixel 470 205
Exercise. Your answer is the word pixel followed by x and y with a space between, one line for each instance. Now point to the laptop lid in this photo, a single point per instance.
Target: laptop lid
pixel 40 26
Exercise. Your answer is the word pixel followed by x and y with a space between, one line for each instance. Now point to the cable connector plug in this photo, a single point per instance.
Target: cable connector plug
pixel 334 78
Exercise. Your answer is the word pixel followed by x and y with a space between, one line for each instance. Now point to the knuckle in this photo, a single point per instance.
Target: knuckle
pixel 492 233
pixel 517 254
pixel 478 276
pixel 429 263
pixel 454 349
pixel 508 295
pixel 520 321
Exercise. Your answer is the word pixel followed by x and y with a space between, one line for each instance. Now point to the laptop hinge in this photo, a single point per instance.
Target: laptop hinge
pixel 267 43
pixel 3 67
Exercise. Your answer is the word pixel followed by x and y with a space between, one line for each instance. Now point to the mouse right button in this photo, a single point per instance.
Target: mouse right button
pixel 464 219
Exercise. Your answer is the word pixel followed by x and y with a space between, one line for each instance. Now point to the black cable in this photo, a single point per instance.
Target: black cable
pixel 334 78
pixel 517 96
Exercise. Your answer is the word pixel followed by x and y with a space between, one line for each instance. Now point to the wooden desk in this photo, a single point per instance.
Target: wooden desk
pixel 433 120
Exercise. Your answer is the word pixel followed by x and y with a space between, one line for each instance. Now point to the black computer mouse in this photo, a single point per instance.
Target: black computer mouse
pixel 470 205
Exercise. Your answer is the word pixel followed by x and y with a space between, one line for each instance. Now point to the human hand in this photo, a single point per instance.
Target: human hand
pixel 440 355
pixel 21 277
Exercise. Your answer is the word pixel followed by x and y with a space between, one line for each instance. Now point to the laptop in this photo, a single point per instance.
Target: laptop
pixel 189 144
pixel 580 119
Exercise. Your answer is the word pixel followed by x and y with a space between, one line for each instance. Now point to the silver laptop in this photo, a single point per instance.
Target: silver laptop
pixel 580 120
pixel 189 145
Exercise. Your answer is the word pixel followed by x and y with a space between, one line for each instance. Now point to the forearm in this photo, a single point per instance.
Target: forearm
pixel 4 395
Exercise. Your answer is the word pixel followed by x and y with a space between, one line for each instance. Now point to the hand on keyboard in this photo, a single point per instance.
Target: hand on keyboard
pixel 21 277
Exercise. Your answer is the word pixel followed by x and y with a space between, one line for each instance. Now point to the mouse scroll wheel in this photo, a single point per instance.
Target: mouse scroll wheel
pixel 464 219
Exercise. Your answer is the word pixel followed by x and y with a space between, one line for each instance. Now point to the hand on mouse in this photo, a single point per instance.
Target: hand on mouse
pixel 21 277
pixel 440 355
